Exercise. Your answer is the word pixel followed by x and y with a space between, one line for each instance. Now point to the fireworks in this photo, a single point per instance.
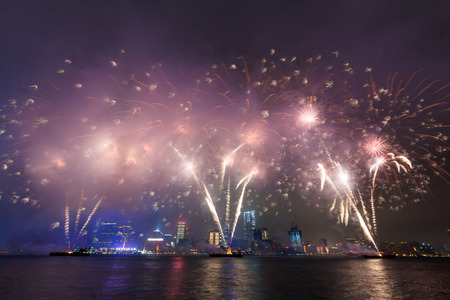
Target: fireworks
pixel 157 138
pixel 308 115
pixel 376 147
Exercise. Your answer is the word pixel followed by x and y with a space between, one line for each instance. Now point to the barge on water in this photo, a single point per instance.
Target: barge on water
pixel 81 252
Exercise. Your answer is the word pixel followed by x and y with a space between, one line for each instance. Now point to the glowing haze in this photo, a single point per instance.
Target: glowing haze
pixel 253 132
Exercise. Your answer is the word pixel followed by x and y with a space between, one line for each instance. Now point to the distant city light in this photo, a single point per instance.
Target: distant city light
pixel 155 239
pixel 124 249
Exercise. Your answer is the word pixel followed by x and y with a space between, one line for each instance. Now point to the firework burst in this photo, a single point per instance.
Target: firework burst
pixel 126 135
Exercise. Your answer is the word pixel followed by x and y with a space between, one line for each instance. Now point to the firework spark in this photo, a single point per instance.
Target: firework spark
pixel 124 135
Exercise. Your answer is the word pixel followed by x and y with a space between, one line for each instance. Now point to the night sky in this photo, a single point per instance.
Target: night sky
pixel 189 36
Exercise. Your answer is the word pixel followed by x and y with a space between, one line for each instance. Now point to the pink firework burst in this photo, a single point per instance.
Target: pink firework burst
pixel 376 146
pixel 308 115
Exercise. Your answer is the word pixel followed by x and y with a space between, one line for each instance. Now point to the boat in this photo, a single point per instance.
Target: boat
pixel 81 252
pixel 234 254
pixel 379 256
pixel 229 253
pixel 352 254
pixel 372 256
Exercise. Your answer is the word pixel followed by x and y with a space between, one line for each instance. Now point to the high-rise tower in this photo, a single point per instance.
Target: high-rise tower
pixel 124 237
pixel 214 237
pixel 264 234
pixel 249 226
pixel 108 232
pixel 181 231
pixel 295 237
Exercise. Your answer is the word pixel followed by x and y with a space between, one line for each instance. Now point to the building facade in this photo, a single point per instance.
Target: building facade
pixel 264 234
pixel 214 237
pixel 181 231
pixel 295 238
pixel 249 226
pixel 106 236
pixel 110 236
pixel 125 238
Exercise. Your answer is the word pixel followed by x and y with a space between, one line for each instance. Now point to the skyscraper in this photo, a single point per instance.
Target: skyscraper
pixel 181 231
pixel 323 246
pixel 226 234
pixel 107 235
pixel 214 237
pixel 124 237
pixel 264 234
pixel 93 240
pixel 295 237
pixel 111 236
pixel 249 226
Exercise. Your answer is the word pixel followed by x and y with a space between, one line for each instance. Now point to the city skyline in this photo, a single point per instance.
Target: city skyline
pixel 178 112
pixel 111 237
pixel 115 239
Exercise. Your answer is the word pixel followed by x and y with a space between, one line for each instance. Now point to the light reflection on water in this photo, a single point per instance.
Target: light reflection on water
pixel 369 280
pixel 202 277
pixel 227 278
pixel 382 287
pixel 176 277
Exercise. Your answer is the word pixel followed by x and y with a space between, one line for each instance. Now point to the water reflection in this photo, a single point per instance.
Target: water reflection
pixel 229 278
pixel 376 279
pixel 176 274
pixel 216 278
pixel 116 281
pixel 210 281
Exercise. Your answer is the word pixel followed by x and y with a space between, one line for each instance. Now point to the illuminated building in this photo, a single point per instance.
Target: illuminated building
pixel 154 242
pixel 214 237
pixel 169 240
pixel 113 237
pixel 249 226
pixel 183 244
pixel 93 240
pixel 295 237
pixel 107 235
pixel 156 236
pixel 226 234
pixel 124 237
pixel 181 231
pixel 323 247
pixel 158 242
pixel 264 234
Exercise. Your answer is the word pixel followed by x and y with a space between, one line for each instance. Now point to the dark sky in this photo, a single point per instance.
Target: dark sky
pixel 389 36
